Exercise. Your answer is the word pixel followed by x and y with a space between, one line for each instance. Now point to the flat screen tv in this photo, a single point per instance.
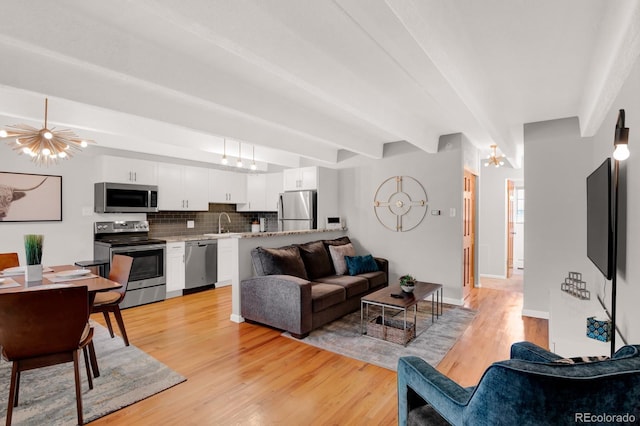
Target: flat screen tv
pixel 599 219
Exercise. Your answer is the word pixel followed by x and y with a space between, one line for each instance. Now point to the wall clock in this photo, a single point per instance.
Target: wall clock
pixel 400 203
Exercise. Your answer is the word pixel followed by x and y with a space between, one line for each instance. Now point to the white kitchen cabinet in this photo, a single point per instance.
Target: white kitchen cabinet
pixel 263 191
pixel 300 179
pixel 273 191
pixel 175 269
pixel 227 187
pixel 256 186
pixel 128 170
pixel 182 187
pixel 226 263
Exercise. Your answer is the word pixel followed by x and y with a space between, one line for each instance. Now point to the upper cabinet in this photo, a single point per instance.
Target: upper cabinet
pixel 182 187
pixel 227 187
pixel 128 170
pixel 263 191
pixel 300 179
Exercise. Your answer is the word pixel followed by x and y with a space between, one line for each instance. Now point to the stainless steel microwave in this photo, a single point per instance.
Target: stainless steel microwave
pixel 125 198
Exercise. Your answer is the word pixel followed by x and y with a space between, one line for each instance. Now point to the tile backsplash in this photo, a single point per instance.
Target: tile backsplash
pixel 171 223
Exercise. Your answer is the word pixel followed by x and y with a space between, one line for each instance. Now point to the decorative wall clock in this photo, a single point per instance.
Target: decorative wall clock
pixel 400 203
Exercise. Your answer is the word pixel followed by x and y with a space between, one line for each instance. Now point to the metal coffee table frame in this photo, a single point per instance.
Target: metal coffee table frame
pixel 383 299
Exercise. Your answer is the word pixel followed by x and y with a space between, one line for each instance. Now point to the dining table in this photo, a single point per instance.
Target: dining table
pixel 61 276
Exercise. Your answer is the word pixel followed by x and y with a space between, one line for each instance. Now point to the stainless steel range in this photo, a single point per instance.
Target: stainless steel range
pixel 147 281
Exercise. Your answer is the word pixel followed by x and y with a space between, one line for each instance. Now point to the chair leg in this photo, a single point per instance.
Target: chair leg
pixel 15 400
pixel 94 360
pixel 85 352
pixel 108 321
pixel 76 371
pixel 123 331
pixel 12 391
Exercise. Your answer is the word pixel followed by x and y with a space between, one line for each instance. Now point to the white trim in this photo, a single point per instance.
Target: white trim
pixel 499 277
pixel 535 314
pixel 451 301
pixel 236 318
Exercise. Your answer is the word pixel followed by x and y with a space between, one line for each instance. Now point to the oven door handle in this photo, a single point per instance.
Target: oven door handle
pixel 138 248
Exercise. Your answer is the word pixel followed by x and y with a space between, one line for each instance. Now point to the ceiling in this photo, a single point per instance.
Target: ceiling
pixel 310 81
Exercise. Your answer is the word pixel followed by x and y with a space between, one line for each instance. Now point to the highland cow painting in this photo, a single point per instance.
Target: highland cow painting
pixel 30 198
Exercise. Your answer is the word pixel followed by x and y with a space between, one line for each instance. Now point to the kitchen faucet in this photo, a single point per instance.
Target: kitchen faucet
pixel 219 225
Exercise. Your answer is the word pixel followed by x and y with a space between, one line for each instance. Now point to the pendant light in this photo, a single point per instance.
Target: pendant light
pixel 253 165
pixel 224 153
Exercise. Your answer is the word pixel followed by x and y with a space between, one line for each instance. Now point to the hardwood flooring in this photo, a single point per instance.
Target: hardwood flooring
pixel 243 374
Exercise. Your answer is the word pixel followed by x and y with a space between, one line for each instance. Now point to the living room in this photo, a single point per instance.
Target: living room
pixel 560 146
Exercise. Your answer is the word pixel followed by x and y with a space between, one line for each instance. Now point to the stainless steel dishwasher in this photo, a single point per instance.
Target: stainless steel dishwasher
pixel 201 263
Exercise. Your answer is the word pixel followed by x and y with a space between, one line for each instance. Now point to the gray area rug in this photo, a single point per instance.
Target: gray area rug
pixel 432 344
pixel 47 395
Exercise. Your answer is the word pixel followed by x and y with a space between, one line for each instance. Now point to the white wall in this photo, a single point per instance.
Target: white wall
pixel 628 281
pixel 72 239
pixel 433 250
pixel 556 162
pixel 492 215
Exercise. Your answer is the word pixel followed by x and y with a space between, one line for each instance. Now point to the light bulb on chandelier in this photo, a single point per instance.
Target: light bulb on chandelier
pixel 493 158
pixel 44 145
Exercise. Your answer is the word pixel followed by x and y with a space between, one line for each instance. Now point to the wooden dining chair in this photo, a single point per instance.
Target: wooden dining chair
pixel 8 260
pixel 39 328
pixel 109 301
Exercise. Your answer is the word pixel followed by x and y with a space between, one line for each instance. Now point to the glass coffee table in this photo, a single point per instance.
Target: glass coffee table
pixel 391 329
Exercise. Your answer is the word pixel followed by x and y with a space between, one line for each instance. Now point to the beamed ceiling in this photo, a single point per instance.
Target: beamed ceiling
pixel 305 80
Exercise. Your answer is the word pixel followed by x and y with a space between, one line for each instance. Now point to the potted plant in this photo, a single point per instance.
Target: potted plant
pixel 407 283
pixel 33 251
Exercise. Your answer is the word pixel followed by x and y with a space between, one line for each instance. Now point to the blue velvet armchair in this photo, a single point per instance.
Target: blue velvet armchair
pixel 531 388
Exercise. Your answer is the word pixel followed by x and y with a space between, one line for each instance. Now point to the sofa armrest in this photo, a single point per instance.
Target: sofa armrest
pixel 528 351
pixel 443 394
pixel 280 301
pixel 383 265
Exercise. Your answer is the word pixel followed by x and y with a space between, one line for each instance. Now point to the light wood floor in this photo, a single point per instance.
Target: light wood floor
pixel 242 374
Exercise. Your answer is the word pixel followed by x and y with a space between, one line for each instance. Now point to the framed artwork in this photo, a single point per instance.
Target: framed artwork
pixel 28 197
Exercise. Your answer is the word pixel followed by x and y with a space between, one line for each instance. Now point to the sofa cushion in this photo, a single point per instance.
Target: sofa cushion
pixel 376 279
pixel 324 296
pixel 338 254
pixel 316 259
pixel 360 264
pixel 279 261
pixel 352 285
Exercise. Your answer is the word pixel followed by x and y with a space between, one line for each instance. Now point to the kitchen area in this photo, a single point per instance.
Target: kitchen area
pixel 206 238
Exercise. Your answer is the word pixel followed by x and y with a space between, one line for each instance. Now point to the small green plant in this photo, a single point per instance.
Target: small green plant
pixel 407 280
pixel 33 248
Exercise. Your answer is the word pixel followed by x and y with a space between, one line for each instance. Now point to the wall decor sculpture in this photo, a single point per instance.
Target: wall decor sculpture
pixel 30 198
pixel 400 203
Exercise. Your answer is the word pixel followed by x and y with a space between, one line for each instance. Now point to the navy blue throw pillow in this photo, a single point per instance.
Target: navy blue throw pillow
pixel 361 264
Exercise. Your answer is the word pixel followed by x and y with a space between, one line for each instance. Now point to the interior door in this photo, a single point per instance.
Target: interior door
pixel 469 233
pixel 511 199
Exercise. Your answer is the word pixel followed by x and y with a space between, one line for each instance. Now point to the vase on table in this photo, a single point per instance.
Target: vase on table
pixel 33 251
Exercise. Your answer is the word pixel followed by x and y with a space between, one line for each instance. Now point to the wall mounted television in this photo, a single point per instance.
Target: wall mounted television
pixel 599 219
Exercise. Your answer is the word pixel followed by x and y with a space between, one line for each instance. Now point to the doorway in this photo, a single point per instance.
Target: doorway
pixel 515 227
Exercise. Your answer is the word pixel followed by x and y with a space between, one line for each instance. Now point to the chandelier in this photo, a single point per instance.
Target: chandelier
pixel 493 158
pixel 45 146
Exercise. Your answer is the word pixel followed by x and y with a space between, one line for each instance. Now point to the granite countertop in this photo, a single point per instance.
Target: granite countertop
pixel 178 238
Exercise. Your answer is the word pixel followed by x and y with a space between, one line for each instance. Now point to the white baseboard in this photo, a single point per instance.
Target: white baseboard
pixel 451 301
pixel 535 314
pixel 499 277
pixel 236 318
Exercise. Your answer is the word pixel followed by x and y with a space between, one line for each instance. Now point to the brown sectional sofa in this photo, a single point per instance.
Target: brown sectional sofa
pixel 296 287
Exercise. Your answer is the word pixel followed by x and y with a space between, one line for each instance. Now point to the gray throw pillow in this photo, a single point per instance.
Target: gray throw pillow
pixel 337 255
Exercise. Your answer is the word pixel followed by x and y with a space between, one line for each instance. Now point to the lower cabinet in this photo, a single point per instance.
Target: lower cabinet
pixel 175 269
pixel 225 262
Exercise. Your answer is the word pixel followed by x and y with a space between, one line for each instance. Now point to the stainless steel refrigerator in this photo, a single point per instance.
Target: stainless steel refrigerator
pixel 297 210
